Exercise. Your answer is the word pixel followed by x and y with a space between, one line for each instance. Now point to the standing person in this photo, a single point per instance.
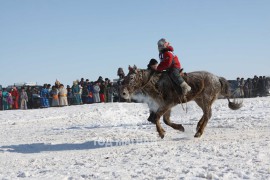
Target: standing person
pixel 44 95
pixel 85 94
pixel 264 86
pixel 100 79
pixel 107 90
pixel 1 99
pixel 81 83
pixel 57 84
pixel 171 63
pixel 69 95
pixel 96 90
pixel 248 87
pixel 102 92
pixel 29 95
pixel 62 96
pixel 5 99
pixel 9 101
pixel 24 99
pixel 120 73
pixel 90 92
pixel 15 97
pixel 55 96
pixel 242 83
pixel 255 86
pixel 76 93
pixel 260 86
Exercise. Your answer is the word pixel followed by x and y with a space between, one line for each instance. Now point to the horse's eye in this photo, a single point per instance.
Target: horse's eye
pixel 131 78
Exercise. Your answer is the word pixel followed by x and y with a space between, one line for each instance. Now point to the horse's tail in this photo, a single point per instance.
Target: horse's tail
pixel 225 91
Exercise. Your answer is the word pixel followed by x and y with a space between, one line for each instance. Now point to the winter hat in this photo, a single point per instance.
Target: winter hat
pixel 161 43
pixel 153 62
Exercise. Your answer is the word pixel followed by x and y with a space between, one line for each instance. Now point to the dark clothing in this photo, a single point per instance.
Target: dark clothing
pixel 174 74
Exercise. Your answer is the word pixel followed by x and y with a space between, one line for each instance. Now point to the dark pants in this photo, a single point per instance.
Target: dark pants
pixel 174 74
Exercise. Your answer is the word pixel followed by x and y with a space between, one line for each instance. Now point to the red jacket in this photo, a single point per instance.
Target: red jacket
pixel 168 60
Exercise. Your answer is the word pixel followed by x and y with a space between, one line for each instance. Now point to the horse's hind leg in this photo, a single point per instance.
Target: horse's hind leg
pixel 167 121
pixel 205 105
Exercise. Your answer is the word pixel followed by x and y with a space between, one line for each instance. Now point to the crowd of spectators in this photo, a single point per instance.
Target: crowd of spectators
pixel 101 91
pixel 57 95
pixel 252 87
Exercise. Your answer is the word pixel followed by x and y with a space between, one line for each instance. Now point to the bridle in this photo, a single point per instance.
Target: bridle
pixel 149 79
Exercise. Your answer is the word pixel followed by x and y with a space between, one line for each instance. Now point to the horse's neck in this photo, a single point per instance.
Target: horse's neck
pixel 145 76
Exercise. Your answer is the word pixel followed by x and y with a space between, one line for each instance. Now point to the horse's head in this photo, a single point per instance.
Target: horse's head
pixel 132 82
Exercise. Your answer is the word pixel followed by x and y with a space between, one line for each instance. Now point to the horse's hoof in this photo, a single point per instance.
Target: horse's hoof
pixel 198 134
pixel 181 128
pixel 161 136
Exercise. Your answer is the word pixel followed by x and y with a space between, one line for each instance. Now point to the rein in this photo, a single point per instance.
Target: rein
pixel 150 78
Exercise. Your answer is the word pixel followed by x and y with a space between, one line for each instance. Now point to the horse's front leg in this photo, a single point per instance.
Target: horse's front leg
pixel 156 119
pixel 152 117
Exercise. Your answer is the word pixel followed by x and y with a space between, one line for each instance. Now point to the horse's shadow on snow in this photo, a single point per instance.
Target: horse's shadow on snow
pixel 41 147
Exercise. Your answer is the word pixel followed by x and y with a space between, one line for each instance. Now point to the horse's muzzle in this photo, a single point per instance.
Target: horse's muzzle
pixel 124 93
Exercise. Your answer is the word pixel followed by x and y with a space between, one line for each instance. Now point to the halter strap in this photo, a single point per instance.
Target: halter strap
pixel 149 79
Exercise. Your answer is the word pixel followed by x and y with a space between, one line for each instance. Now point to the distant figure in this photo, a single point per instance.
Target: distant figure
pixel 62 95
pixel 69 95
pixel 120 73
pixel 102 91
pixel 5 103
pixel 54 94
pixel 15 98
pixel 44 94
pixel 248 88
pixel 242 83
pixel 24 99
pixel 260 86
pixel 90 92
pixel 96 90
pixel 1 99
pixel 255 86
pixel 76 93
pixel 10 101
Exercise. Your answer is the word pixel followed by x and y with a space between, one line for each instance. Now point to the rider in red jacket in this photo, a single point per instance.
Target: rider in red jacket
pixel 166 60
pixel 170 63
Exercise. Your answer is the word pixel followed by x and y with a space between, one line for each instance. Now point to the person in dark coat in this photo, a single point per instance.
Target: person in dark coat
pixel 152 65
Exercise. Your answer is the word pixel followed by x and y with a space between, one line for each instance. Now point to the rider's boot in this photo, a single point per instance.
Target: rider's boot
pixel 185 88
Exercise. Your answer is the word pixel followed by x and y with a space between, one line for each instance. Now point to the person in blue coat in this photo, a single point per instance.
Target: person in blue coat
pixel 44 95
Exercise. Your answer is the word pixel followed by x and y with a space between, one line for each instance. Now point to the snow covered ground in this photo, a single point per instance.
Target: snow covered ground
pixel 115 141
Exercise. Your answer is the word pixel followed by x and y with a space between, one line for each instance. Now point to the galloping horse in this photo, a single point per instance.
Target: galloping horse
pixel 205 86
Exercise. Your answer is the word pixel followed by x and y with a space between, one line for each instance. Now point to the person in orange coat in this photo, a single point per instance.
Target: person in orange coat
pixel 15 96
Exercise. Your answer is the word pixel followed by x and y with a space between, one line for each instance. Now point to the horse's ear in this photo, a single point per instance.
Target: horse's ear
pixel 130 68
pixel 135 69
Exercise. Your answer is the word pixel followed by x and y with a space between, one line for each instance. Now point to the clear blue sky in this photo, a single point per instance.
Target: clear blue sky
pixel 69 39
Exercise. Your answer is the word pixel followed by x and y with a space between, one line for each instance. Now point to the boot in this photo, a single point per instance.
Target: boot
pixel 185 88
